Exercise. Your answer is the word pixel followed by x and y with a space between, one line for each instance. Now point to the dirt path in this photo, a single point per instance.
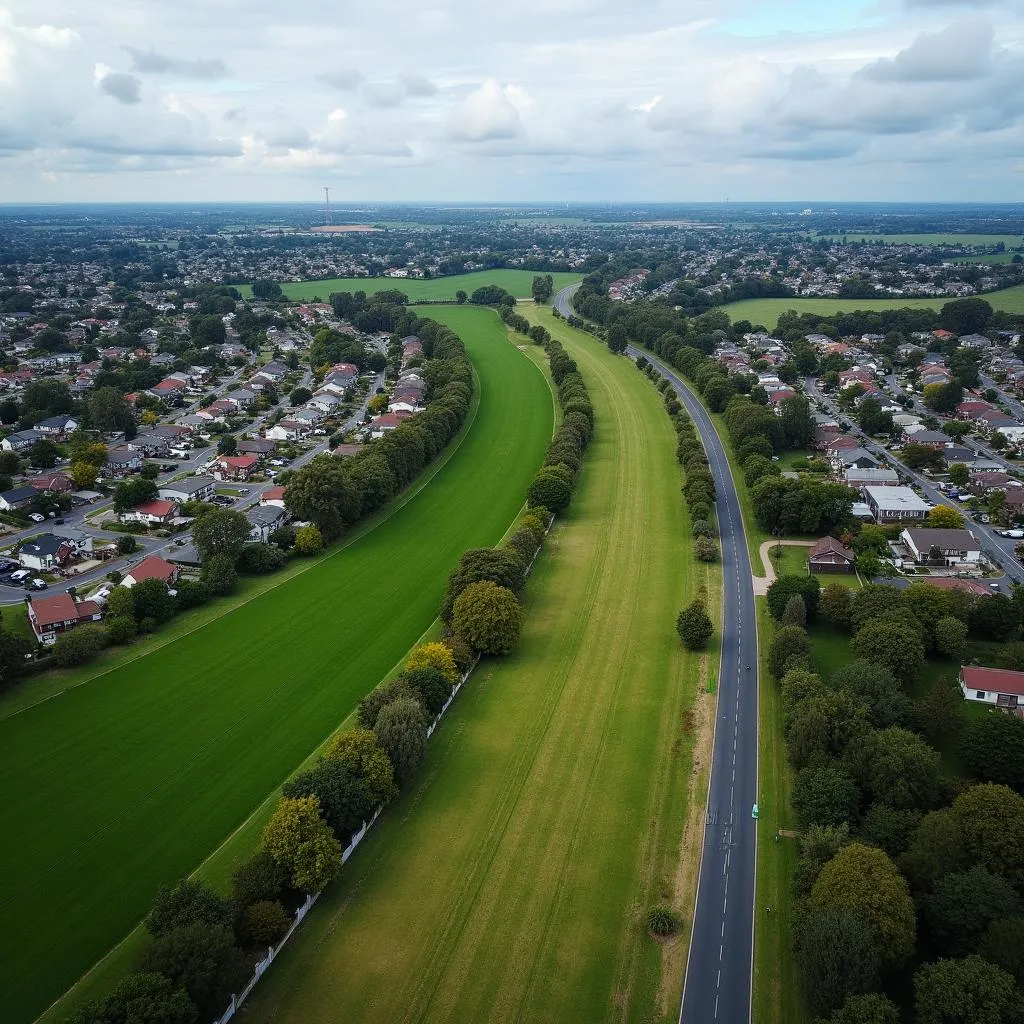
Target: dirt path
pixel 762 583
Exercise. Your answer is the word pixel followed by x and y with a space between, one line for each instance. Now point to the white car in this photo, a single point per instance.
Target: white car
pixel 36 517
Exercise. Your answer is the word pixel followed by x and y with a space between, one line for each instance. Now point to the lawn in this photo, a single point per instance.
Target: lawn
pixel 512 883
pixel 767 311
pixel 133 778
pixel 518 282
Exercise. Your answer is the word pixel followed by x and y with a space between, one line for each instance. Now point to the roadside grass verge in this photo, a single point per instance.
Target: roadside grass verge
pixel 147 768
pixel 516 282
pixel 513 882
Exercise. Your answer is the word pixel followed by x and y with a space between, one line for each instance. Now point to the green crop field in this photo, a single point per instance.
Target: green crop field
pixel 131 779
pixel 517 282
pixel 951 238
pixel 512 883
pixel 767 311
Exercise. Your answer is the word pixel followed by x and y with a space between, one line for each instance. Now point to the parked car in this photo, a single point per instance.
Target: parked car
pixel 38 584
pixel 36 517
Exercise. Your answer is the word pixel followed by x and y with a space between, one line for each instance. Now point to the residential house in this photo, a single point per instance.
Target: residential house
pixel 17 497
pixel 325 402
pixel 829 555
pixel 288 430
pixel 121 462
pixel 972 587
pixel 931 438
pixel 81 542
pixel 273 496
pixel 58 482
pixel 261 447
pixel 996 686
pixel 951 548
pixel 240 398
pixel 852 458
pixel 380 425
pixel 975 341
pixel 57 426
pixel 347 450
pixel 21 440
pixel 150 445
pixel 192 488
pixel 234 467
pixel 151 568
pixel 895 504
pixel 169 389
pixel 264 520
pixel 858 478
pixel 45 552
pixel 158 512
pixel 52 616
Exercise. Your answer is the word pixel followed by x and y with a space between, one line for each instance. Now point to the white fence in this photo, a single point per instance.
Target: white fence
pixel 237 1000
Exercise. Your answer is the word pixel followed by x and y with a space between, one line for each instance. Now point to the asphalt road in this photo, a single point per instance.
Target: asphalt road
pixel 717 986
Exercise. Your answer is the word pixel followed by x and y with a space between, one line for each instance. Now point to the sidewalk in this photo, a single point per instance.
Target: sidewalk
pixel 762 583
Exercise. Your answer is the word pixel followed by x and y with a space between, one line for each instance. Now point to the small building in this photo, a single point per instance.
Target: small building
pixel 895 504
pixel 235 467
pixel 158 512
pixel 273 496
pixel 192 488
pixel 996 686
pixel 942 547
pixel 829 555
pixel 81 542
pixel 858 478
pixel 58 482
pixel 261 447
pixel 122 462
pixel 52 616
pixel 57 426
pixel 264 520
pixel 17 497
pixel 151 568
pixel 21 440
pixel 45 552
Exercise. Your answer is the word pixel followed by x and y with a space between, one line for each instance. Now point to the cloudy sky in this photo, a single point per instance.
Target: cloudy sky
pixel 527 100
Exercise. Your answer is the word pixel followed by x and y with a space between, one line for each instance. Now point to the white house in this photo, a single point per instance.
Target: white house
pixel 996 686
pixel 946 547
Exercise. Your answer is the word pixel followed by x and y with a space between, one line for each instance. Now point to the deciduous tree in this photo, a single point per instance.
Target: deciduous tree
pixel 488 617
pixel 299 839
pixel 401 729
pixel 968 991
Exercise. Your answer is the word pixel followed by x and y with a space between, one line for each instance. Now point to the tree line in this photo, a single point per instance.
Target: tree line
pixel 907 875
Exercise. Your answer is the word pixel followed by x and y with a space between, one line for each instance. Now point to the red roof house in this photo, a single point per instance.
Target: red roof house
pixel 51 616
pixel 152 568
pixel 235 467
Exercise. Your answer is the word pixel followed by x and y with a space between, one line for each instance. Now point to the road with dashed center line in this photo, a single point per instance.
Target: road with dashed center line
pixel 718 983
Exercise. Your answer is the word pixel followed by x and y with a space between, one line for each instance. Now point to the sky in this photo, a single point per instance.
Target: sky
pixel 536 100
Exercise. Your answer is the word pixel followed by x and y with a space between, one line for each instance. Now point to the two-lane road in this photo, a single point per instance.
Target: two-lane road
pixel 719 970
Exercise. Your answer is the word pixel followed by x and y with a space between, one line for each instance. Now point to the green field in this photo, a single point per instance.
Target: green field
pixel 767 311
pixel 512 883
pixel 133 778
pixel 517 282
pixel 1010 241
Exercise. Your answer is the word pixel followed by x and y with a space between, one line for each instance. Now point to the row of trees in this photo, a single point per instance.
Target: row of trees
pixel 202 945
pixel 333 494
pixel 899 863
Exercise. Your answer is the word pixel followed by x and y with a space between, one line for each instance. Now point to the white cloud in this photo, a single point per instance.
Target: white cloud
pixel 486 114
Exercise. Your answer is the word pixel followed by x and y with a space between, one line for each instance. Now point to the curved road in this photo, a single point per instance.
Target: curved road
pixel 717 986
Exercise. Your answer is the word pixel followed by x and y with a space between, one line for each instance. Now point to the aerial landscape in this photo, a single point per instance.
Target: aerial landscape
pixel 512 515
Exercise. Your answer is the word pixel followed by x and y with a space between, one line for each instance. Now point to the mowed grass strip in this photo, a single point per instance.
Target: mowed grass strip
pixel 512 883
pixel 130 780
pixel 516 282
pixel 768 311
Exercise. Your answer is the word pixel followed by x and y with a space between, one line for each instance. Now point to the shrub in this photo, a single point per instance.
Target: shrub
pixel 703 528
pixel 141 997
pixel 694 626
pixel 437 656
pixel 380 696
pixel 401 729
pixel 79 646
pixel 308 540
pixel 488 617
pixel 121 629
pixel 258 879
pixel 192 593
pixel 431 687
pixel 536 525
pixel 263 923
pixel 219 574
pixel 705 549
pixel 184 903
pixel 524 543
pixel 663 921
pixel 261 558
pixel 550 489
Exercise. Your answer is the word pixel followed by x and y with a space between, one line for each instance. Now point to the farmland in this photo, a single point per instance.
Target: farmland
pixel 517 282
pixel 512 883
pixel 144 770
pixel 767 311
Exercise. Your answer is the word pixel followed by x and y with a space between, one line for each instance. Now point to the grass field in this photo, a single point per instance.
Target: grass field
pixel 951 238
pixel 513 882
pixel 131 779
pixel 767 311
pixel 517 282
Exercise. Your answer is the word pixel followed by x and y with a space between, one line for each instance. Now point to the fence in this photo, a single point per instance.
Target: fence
pixel 237 1000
